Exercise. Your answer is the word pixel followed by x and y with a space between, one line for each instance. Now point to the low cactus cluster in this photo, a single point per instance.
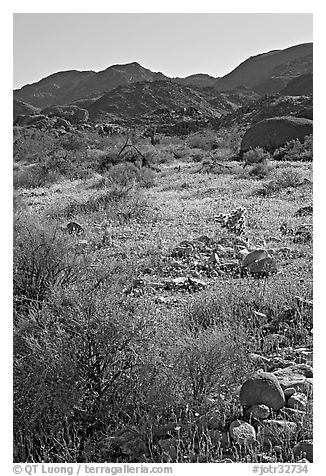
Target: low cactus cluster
pixel 235 221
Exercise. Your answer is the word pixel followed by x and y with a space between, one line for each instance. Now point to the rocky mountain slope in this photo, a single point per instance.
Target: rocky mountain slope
pixel 265 73
pixel 143 98
pixel 57 88
pixel 299 86
pixel 270 72
pixel 22 108
pixel 68 86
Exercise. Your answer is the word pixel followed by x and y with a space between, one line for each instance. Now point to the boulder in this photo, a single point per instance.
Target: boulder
pixel 296 376
pixel 263 267
pixel 298 401
pixel 73 114
pixel 273 133
pixel 258 412
pixel 304 449
pixel 254 256
pixel 242 432
pixel 288 392
pixel 262 388
pixel 28 120
pixel 63 123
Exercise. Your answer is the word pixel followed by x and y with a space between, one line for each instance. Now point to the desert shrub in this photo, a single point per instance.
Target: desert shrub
pixel 210 359
pixel 73 142
pixel 296 151
pixel 229 139
pixel 33 145
pixel 202 140
pixel 287 177
pixel 255 156
pixel 115 201
pixel 126 173
pixel 86 370
pixel 123 174
pixel 42 260
pixel 34 177
pixel 260 170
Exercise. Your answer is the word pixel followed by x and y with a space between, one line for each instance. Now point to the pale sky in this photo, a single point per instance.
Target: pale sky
pixel 175 44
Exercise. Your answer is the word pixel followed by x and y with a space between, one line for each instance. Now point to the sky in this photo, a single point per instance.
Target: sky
pixel 175 44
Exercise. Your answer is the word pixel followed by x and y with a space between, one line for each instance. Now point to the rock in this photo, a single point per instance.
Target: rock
pixel 304 211
pixel 184 282
pixel 242 432
pixel 294 377
pixel 254 256
pixel 63 123
pixel 273 133
pixel 304 449
pixel 130 443
pixel 134 448
pixel 263 267
pixel 273 432
pixel 260 360
pixel 74 228
pixel 205 240
pixel 288 392
pixel 73 114
pixel 298 401
pixel 259 412
pixel 185 248
pixel 262 388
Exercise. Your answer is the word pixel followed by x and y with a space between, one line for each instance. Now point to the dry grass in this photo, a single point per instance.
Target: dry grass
pixel 102 352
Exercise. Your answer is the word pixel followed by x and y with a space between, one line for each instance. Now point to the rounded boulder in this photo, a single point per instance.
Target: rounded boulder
pixel 262 389
pixel 276 132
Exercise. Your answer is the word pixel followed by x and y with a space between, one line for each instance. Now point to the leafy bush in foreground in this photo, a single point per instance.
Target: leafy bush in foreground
pixel 41 261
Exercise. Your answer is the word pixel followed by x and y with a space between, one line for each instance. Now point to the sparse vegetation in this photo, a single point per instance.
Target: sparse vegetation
pixel 296 151
pixel 132 340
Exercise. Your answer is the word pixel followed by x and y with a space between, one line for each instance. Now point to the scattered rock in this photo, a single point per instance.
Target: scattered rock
pixel 130 443
pixel 263 267
pixel 298 401
pixel 288 392
pixel 253 256
pixel 260 360
pixel 304 211
pixel 262 388
pixel 304 449
pixel 295 377
pixel 185 282
pixel 242 432
pixel 259 412
pixel 303 234
pixel 74 228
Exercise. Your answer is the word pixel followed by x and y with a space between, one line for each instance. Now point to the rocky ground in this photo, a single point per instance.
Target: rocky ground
pixel 202 246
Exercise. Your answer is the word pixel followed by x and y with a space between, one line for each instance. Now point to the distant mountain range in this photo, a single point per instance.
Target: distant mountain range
pixel 131 90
